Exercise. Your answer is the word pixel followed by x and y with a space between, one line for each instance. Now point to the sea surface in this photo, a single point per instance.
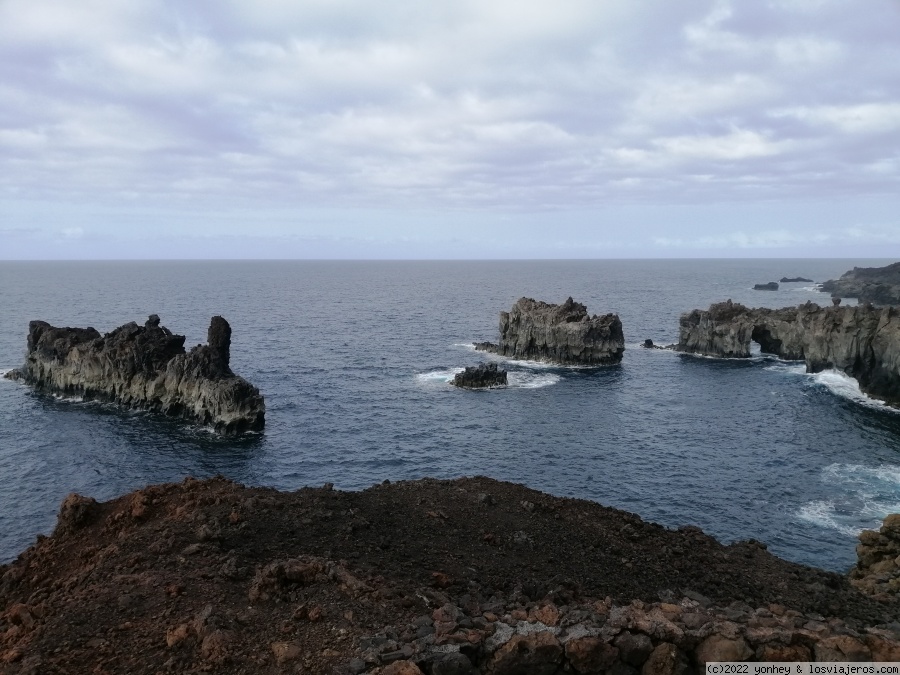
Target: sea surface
pixel 354 360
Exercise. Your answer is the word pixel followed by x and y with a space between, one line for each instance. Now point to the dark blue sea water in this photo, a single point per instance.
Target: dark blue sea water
pixel 354 359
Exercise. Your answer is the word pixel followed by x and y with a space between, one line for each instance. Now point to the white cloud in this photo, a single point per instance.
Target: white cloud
pixel 866 118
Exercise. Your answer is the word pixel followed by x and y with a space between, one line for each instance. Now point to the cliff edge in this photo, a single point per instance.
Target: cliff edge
pixel 145 367
pixel 863 341
pixel 563 334
pixel 875 285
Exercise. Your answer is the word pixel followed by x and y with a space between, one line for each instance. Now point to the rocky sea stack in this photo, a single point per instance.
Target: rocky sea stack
pixel 145 367
pixel 862 341
pixel 563 334
pixel 482 376
pixel 876 285
pixel 771 286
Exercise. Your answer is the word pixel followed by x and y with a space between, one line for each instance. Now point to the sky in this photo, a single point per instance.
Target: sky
pixel 449 129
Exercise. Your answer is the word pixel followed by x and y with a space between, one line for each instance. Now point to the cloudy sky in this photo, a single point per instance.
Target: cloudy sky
pixel 449 128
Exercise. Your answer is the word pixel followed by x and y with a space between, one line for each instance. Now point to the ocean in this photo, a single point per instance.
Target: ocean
pixel 354 359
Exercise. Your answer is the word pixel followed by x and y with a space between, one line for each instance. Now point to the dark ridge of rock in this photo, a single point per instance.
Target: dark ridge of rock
pixel 794 280
pixel 876 285
pixel 563 334
pixel 771 286
pixel 862 341
pixel 470 576
pixel 648 344
pixel 482 376
pixel 145 367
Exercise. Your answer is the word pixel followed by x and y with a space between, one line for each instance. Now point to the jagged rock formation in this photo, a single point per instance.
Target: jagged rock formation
pixel 145 367
pixel 771 286
pixel 863 341
pixel 794 280
pixel 877 570
pixel 876 285
pixel 563 334
pixel 482 376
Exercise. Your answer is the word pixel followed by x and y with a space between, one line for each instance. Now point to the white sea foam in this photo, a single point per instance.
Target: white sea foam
pixel 4 371
pixel 823 514
pixel 845 386
pixel 864 496
pixel 789 367
pixel 525 380
pixel 466 345
pixel 516 379
pixel 438 376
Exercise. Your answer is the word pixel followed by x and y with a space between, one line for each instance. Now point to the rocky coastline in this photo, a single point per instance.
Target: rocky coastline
pixel 429 577
pixel 145 367
pixel 564 334
pixel 876 285
pixel 861 341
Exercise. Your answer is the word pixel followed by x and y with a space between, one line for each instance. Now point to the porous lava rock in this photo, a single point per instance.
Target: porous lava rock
pixel 876 285
pixel 406 578
pixel 565 334
pixel 145 367
pixel 482 376
pixel 861 341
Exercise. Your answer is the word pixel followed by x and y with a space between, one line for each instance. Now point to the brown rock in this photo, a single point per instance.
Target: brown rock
pixel 215 645
pixel 842 648
pixel 286 651
pixel 882 650
pixel 401 668
pixel 20 615
pixel 665 659
pixel 535 654
pixel 591 655
pixel 718 648
pixel 547 615
pixel 783 653
pixel 177 634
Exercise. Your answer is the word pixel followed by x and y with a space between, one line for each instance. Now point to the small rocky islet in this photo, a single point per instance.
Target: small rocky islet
pixel 145 367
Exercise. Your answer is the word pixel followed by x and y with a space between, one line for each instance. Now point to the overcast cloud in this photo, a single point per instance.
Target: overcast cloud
pixel 342 128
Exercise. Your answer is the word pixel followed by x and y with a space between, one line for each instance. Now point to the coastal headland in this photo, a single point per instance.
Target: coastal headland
pixel 565 334
pixel 861 341
pixel 145 367
pixel 438 577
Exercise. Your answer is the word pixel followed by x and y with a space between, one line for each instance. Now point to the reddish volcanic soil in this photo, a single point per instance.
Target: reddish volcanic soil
pixel 211 576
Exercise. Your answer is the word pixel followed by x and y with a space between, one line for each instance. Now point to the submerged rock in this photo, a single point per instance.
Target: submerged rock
pixel 145 367
pixel 771 286
pixel 482 376
pixel 877 285
pixel 862 341
pixel 563 334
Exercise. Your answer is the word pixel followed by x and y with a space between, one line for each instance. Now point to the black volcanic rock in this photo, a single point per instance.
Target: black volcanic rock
pixel 862 341
pixel 877 285
pixel 771 286
pixel 563 334
pixel 145 367
pixel 482 376
pixel 794 280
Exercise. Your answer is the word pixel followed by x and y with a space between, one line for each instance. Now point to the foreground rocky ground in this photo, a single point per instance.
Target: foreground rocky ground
pixel 436 577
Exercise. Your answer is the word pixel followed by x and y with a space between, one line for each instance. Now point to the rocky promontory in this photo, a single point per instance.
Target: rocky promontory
pixel 862 341
pixel 875 285
pixel 437 577
pixel 145 367
pixel 482 376
pixel 565 334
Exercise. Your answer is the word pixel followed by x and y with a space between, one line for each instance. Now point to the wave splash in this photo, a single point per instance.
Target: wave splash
pixel 866 495
pixel 518 379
